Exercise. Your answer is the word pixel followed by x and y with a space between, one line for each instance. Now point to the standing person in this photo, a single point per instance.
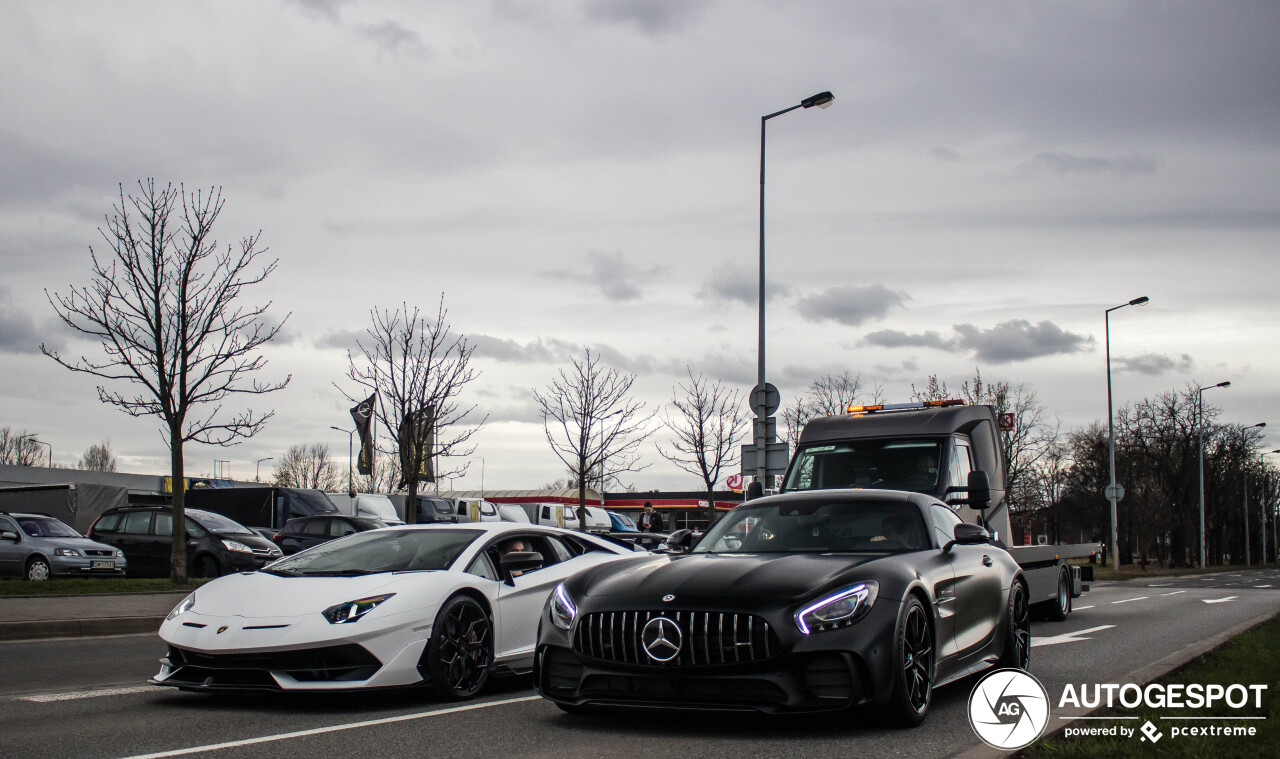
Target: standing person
pixel 650 520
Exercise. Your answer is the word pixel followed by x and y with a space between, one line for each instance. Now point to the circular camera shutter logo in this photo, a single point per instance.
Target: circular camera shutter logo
pixel 661 638
pixel 1008 709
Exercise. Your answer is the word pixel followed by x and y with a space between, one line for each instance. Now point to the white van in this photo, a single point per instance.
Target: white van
pixel 366 505
pixel 566 515
pixel 476 510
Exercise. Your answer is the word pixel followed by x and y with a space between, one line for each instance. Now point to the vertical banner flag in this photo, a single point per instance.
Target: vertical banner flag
pixel 362 414
pixel 417 432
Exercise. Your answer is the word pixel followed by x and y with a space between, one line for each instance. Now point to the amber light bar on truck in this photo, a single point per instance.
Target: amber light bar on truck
pixel 905 406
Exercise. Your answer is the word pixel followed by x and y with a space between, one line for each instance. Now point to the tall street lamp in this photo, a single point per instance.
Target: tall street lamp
pixel 1111 435
pixel 257 470
pixel 1200 417
pixel 351 479
pixel 1275 546
pixel 32 438
pixel 821 100
pixel 1244 475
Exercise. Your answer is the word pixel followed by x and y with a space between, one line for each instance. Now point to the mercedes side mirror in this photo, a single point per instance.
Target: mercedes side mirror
pixel 968 535
pixel 680 541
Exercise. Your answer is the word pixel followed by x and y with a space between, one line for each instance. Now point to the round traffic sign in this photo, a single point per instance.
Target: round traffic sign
pixel 1115 491
pixel 769 397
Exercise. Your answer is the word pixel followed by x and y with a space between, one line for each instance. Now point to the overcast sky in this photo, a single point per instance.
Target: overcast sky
pixel 990 178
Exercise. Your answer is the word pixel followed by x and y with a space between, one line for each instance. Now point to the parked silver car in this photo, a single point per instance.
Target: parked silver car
pixel 38 546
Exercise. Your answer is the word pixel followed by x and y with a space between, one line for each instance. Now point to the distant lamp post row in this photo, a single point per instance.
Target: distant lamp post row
pixel 821 100
pixel 1200 425
pixel 1244 438
pixel 1111 435
pixel 32 438
pixel 257 470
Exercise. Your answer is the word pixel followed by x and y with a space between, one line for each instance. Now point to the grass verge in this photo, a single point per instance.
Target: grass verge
pixel 1249 658
pixel 76 586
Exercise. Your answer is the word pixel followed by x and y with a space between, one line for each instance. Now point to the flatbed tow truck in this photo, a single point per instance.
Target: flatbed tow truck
pixel 934 447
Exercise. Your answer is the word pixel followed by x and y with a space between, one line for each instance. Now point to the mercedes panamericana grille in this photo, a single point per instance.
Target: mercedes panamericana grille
pixel 444 605
pixel 797 602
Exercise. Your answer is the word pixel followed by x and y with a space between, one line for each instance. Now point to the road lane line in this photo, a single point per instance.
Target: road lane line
pixel 1080 608
pixel 1071 637
pixel 1218 600
pixel 1127 600
pixel 1174 593
pixel 1261 586
pixel 330 729
pixel 50 697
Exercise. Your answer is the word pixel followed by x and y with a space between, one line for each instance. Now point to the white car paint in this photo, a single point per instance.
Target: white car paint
pixel 260 612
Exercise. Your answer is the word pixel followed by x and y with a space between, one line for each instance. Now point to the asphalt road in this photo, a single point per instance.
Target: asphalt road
pixel 84 698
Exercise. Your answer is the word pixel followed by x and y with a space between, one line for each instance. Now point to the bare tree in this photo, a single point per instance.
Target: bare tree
pixel 19 448
pixel 833 393
pixel 708 422
pixel 165 306
pixel 98 458
pixel 592 424
pixel 418 367
pixel 308 466
pixel 384 477
pixel 795 416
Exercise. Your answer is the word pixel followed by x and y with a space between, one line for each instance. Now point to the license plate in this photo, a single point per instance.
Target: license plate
pixel 102 565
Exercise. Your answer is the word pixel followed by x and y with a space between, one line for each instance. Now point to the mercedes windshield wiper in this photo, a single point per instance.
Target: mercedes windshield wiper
pixel 277 572
pixel 339 572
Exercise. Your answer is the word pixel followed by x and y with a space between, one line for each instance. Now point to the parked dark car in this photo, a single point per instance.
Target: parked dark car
pixel 38 546
pixel 805 601
pixel 305 532
pixel 215 544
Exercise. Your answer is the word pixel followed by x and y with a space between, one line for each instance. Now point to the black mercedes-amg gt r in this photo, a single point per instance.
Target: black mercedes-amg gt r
pixel 797 602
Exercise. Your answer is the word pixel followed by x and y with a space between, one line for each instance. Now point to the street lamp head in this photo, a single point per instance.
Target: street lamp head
pixel 1223 384
pixel 822 100
pixel 1140 301
pixel 1259 424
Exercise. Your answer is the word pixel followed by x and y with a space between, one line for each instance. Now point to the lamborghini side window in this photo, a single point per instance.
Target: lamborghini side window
pixel 483 567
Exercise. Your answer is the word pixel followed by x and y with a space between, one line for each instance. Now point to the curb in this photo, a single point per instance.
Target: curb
pixel 40 629
pixel 1140 676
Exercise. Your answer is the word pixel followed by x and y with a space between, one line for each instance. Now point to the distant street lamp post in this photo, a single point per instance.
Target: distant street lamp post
pixel 821 100
pixel 1275 546
pixel 1244 471
pixel 351 481
pixel 1200 425
pixel 1111 435
pixel 257 470
pixel 32 438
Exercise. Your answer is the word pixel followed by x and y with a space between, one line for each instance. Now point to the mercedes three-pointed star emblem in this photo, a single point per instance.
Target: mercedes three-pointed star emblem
pixel 661 639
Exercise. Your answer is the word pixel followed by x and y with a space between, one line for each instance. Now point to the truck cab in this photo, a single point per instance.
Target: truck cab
pixel 933 448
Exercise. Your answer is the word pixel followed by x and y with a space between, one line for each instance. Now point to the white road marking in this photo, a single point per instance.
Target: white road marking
pixel 50 697
pixel 1218 600
pixel 1174 593
pixel 330 729
pixel 1080 608
pixel 1261 586
pixel 1071 637
pixel 1165 585
pixel 1127 600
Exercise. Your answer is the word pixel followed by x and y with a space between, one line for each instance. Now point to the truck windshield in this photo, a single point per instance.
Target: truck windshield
pixel 887 464
pixel 808 526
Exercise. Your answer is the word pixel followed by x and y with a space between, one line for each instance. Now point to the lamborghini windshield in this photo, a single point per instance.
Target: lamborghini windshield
pixel 888 464
pixel 387 550
pixel 817 526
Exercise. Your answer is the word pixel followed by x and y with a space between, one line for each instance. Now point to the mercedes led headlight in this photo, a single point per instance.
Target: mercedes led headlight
pixel 352 611
pixel 183 607
pixel 838 609
pixel 237 546
pixel 561 608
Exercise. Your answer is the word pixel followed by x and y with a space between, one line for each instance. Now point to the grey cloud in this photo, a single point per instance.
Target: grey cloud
pixel 850 305
pixel 891 338
pixel 733 284
pixel 945 155
pixel 17 329
pixel 327 9
pixel 652 17
pixel 1013 340
pixel 394 38
pixel 617 278
pixel 343 339
pixel 510 351
pixel 1019 339
pixel 1066 163
pixel 1153 363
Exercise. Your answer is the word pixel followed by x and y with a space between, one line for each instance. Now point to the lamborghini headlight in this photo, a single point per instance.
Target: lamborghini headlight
pixel 561 608
pixel 183 607
pixel 352 611
pixel 837 609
